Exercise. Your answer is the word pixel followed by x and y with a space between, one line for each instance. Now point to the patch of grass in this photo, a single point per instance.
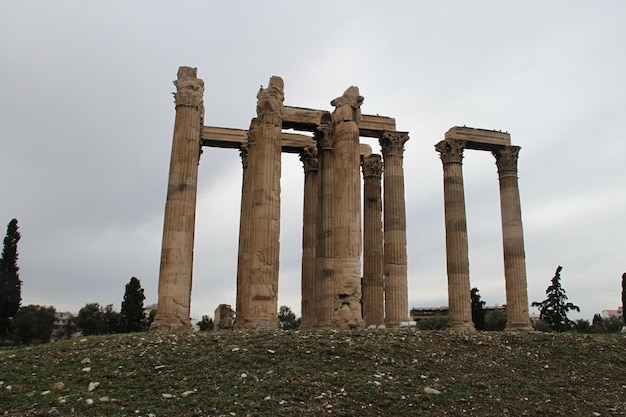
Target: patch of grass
pixel 344 373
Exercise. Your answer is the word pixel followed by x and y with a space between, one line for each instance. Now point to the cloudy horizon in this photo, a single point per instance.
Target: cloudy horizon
pixel 86 122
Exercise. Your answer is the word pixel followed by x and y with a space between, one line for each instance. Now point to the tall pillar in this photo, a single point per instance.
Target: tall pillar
pixel 347 210
pixel 459 298
pixel 309 231
pixel 373 261
pixel 512 240
pixel 265 166
pixel 396 290
pixel 245 247
pixel 325 271
pixel 175 274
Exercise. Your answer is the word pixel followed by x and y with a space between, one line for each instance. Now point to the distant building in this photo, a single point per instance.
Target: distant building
pixel 64 327
pixel 607 314
pixel 420 313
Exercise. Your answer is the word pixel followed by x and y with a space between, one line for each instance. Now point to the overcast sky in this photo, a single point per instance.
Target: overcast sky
pixel 86 122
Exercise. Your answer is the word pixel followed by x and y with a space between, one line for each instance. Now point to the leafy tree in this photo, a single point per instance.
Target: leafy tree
pixel 597 324
pixel 624 297
pixel 553 310
pixel 478 310
pixel 33 324
pixel 495 320
pixel 613 324
pixel 10 284
pixel 132 317
pixel 94 319
pixel 541 326
pixel 206 324
pixel 582 326
pixel 439 322
pixel 287 319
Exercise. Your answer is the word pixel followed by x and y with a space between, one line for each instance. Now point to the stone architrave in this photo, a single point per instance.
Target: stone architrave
pixel 373 258
pixel 512 239
pixel 347 211
pixel 309 235
pixel 264 164
pixel 325 271
pixel 244 255
pixel 459 298
pixel 396 288
pixel 175 274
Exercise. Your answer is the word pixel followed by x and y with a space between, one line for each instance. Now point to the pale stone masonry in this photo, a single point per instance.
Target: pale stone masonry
pixel 373 255
pixel 334 294
pixel 512 239
pixel 451 150
pixel 175 274
pixel 347 211
pixel 396 291
pixel 309 235
pixel 457 259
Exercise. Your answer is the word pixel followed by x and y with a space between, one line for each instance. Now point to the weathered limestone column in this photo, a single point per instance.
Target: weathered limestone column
pixel 512 240
pixel 175 275
pixel 264 165
pixel 325 264
pixel 347 210
pixel 396 290
pixel 459 298
pixel 245 231
pixel 373 255
pixel 309 236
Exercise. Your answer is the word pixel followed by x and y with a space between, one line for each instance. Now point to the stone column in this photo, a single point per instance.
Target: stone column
pixel 264 165
pixel 373 255
pixel 459 298
pixel 512 240
pixel 244 255
pixel 175 275
pixel 396 290
pixel 325 271
pixel 347 210
pixel 309 238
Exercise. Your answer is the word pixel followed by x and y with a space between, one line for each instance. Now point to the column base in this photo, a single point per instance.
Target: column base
pixel 462 327
pixel 519 327
pixel 170 324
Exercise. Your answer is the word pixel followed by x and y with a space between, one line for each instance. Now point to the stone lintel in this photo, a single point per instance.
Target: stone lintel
pixel 224 137
pixel 308 120
pixel 480 139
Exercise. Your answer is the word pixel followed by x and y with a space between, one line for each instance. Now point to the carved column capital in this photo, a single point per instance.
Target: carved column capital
pixel 324 137
pixel 392 143
pixel 269 107
pixel 309 159
pixel 372 166
pixel 189 89
pixel 506 160
pixel 348 106
pixel 450 151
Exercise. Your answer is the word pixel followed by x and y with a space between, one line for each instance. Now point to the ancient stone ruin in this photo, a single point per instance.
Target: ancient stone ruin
pixel 338 241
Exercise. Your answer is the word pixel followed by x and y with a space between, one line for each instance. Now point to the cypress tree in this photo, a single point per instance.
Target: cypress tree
pixel 132 316
pixel 553 310
pixel 478 310
pixel 10 284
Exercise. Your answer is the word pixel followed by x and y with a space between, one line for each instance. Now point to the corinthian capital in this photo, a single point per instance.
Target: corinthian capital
pixel 506 159
pixel 189 89
pixel 450 150
pixel 372 166
pixel 308 156
pixel 269 107
pixel 324 137
pixel 348 106
pixel 392 143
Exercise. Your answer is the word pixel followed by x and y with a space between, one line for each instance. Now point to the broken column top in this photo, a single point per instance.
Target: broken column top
pixel 480 139
pixel 187 72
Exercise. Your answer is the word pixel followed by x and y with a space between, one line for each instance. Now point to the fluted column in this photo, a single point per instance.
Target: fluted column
pixel 459 298
pixel 245 231
pixel 309 231
pixel 512 240
pixel 347 210
pixel 396 289
pixel 176 269
pixel 373 258
pixel 324 283
pixel 265 166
